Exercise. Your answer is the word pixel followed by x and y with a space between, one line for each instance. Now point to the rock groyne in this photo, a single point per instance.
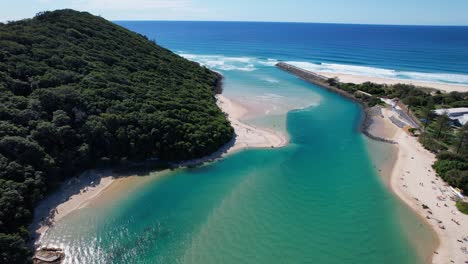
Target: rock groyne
pixel 316 79
pixel 323 82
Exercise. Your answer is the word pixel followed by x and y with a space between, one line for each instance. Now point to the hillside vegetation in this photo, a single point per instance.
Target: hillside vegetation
pixel 76 89
pixel 439 134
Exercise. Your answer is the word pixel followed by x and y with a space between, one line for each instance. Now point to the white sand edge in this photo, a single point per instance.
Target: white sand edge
pixel 248 136
pixel 415 182
pixel 74 194
pixel 77 192
pixel 358 79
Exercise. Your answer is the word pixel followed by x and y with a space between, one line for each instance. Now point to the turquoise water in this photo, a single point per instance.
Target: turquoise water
pixel 317 200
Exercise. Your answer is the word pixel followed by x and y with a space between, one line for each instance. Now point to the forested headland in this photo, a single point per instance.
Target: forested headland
pixel 76 89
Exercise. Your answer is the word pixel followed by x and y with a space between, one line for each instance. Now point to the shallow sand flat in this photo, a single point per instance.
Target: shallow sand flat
pixel 248 136
pixel 415 182
pixel 358 79
pixel 80 191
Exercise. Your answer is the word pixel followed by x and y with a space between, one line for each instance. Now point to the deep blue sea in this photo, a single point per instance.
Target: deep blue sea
pixel 426 53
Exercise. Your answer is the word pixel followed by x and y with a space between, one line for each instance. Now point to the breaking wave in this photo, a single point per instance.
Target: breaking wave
pixel 248 64
pixel 226 63
pixel 382 73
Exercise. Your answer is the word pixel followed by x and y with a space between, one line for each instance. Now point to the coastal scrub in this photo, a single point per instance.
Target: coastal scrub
pixel 76 89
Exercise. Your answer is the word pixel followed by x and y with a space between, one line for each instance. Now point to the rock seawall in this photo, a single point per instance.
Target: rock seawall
pixel 322 82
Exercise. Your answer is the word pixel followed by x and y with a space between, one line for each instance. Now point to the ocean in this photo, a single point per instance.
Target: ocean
pixel 426 53
pixel 319 199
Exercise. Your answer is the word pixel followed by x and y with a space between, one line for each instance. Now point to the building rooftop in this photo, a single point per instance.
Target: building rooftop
pixel 460 114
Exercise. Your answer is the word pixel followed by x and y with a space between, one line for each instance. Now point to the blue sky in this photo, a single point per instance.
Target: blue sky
pixel 421 12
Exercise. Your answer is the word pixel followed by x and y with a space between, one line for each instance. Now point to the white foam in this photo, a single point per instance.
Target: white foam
pixel 268 62
pixel 269 96
pixel 227 63
pixel 248 64
pixel 382 73
pixel 270 80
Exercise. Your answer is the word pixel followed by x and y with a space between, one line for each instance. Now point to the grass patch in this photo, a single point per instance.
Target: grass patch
pixel 462 206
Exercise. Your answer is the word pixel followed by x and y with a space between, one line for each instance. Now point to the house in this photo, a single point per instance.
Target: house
pixel 459 114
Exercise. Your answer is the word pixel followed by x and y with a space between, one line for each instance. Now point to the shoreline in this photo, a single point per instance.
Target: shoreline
pixel 248 136
pixel 358 79
pixel 245 136
pixel 367 119
pixel 84 189
pixel 72 195
pixel 415 183
pixel 412 178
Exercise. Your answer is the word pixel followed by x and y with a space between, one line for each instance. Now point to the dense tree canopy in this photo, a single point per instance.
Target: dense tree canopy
pixel 75 89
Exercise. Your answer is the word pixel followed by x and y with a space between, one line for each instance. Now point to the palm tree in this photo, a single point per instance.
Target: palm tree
pixel 426 112
pixel 442 124
pixel 462 137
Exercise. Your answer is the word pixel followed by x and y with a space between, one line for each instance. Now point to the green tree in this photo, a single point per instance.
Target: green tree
pixel 427 113
pixel 333 81
pixel 442 124
pixel 13 249
pixel 75 90
pixel 462 138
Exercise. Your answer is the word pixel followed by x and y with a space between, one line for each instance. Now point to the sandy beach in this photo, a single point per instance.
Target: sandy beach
pixel 248 136
pixel 412 179
pixel 415 182
pixel 74 194
pixel 78 192
pixel 349 78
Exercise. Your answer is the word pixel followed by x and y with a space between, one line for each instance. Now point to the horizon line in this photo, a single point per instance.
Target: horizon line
pixel 253 21
pixel 288 22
